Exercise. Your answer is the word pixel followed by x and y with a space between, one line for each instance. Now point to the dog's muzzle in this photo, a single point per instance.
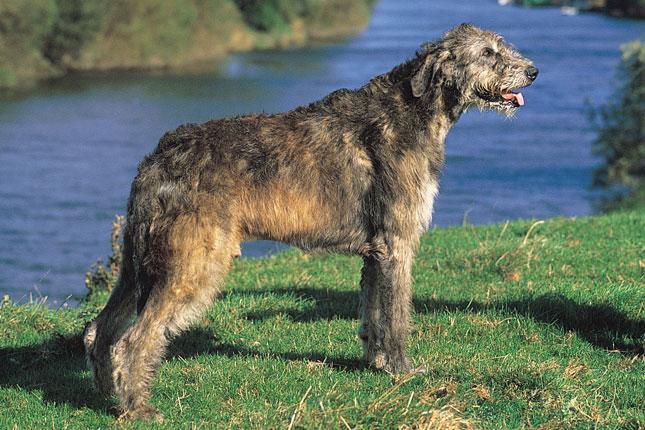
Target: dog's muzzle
pixel 532 73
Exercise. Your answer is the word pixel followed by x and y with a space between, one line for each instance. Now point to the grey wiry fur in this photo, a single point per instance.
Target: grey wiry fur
pixel 356 172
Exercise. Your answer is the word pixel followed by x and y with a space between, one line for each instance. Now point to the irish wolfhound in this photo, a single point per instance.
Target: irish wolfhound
pixel 356 173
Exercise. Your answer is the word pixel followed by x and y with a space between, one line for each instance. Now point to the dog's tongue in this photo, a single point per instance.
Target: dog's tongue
pixel 514 96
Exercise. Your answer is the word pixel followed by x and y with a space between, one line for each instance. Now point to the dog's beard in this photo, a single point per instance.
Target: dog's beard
pixel 504 98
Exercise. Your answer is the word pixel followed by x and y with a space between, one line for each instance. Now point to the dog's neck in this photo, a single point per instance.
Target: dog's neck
pixel 439 99
pixel 432 115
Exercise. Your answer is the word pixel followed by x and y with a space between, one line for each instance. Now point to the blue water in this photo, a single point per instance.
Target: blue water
pixel 69 150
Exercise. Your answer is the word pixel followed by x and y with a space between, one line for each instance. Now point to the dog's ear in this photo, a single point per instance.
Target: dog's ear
pixel 429 72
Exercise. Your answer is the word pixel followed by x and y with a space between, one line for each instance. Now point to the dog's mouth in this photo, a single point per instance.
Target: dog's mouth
pixel 505 99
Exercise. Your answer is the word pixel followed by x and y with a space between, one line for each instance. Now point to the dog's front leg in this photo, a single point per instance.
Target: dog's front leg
pixel 385 307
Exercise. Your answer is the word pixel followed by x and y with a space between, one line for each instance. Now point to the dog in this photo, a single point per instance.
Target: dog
pixel 356 172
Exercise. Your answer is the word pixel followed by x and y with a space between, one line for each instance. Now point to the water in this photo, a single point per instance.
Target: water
pixel 69 150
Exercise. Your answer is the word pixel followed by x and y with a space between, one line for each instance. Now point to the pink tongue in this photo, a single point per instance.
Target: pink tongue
pixel 514 96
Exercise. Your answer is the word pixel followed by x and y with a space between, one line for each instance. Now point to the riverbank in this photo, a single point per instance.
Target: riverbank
pixel 617 8
pixel 41 39
pixel 519 324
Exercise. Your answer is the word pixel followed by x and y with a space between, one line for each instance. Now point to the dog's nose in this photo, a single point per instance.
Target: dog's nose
pixel 532 72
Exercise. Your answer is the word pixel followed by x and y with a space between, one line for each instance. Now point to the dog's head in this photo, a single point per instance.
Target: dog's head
pixel 476 66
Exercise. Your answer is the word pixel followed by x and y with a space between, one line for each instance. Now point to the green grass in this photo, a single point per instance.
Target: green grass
pixel 518 327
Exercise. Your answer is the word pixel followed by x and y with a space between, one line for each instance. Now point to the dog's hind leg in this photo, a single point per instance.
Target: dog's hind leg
pixel 107 327
pixel 385 305
pixel 198 258
pixel 368 299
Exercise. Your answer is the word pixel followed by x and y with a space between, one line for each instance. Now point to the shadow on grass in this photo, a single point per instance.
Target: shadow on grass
pixel 56 367
pixel 199 340
pixel 599 324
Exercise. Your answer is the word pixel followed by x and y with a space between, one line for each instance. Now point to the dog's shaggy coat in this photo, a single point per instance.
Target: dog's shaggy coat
pixel 356 172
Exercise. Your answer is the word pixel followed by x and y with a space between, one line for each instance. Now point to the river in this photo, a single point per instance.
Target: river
pixel 69 149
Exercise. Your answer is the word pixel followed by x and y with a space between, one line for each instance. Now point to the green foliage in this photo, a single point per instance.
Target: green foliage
pixel 277 15
pixel 152 28
pixel 7 77
pixel 631 8
pixel 24 26
pixel 77 23
pixel 26 22
pixel 626 8
pixel 522 325
pixel 45 38
pixel 101 279
pixel 173 22
pixel 621 134
pixel 270 15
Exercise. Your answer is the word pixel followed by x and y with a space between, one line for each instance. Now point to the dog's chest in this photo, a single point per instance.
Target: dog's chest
pixel 427 193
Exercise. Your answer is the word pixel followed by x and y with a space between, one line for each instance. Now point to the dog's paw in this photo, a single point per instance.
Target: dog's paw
pixel 396 365
pixel 144 413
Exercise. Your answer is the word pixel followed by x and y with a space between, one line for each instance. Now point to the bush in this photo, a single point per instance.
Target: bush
pixel 266 15
pixel 45 38
pixel 277 15
pixel 631 8
pixel 102 279
pixel 24 25
pixel 7 77
pixel 149 29
pixel 26 22
pixel 621 133
pixel 77 23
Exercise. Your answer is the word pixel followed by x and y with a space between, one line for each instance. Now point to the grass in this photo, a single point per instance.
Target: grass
pixel 521 325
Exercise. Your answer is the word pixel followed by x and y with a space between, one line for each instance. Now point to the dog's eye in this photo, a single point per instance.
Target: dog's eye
pixel 487 52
